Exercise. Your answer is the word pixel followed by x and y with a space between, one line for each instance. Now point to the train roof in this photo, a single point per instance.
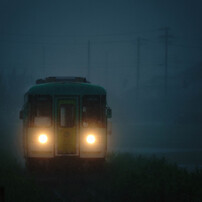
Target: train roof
pixel 54 79
pixel 66 87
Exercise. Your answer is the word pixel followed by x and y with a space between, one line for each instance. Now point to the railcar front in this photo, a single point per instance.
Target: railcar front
pixel 65 119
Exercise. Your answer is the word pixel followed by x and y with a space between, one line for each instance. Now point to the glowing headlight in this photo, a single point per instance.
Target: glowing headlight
pixel 90 139
pixel 43 138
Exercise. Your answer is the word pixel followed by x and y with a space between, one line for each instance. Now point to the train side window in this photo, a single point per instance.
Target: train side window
pixel 67 115
pixel 40 110
pixel 93 111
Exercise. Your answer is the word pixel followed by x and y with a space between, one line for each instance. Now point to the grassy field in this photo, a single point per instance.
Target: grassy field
pixel 16 184
pixel 151 179
pixel 123 178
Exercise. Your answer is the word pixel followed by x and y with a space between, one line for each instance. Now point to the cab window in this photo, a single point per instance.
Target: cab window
pixel 40 110
pixel 93 111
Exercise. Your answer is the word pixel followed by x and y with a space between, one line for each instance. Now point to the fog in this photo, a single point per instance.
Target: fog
pixel 146 53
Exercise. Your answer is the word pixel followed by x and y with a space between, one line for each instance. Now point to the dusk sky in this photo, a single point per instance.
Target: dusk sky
pixel 56 33
pixel 97 18
pixel 65 38
pixel 146 54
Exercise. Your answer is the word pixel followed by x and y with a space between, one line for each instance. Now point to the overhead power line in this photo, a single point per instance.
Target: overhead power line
pixel 89 60
pixel 78 35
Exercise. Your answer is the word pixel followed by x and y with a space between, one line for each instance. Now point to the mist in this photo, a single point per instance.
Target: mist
pixel 147 54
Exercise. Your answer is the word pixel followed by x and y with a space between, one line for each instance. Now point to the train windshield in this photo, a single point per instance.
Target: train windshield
pixel 40 110
pixel 93 111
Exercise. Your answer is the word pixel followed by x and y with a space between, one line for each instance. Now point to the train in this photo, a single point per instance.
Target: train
pixel 64 117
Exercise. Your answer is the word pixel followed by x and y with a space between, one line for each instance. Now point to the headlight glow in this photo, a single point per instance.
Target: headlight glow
pixel 43 138
pixel 90 139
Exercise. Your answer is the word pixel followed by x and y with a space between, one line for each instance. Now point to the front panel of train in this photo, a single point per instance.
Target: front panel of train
pixel 65 126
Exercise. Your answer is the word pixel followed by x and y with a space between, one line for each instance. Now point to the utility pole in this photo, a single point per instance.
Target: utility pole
pixel 166 37
pixel 106 70
pixel 89 57
pixel 139 40
pixel 44 62
pixel 166 60
pixel 138 66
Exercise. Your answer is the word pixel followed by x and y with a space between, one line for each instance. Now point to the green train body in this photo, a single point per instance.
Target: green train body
pixel 65 117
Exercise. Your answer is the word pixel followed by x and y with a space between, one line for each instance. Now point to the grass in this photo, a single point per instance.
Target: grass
pixel 17 184
pixel 124 178
pixel 141 178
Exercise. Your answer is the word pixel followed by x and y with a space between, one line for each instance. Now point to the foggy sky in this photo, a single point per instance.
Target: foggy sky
pixel 85 18
pixel 50 38
pixel 55 33
pixel 43 38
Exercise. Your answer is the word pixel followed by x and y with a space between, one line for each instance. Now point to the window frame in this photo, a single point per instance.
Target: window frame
pixel 102 112
pixel 32 107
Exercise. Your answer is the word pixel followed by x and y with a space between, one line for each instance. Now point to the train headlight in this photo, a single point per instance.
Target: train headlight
pixel 43 138
pixel 90 139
